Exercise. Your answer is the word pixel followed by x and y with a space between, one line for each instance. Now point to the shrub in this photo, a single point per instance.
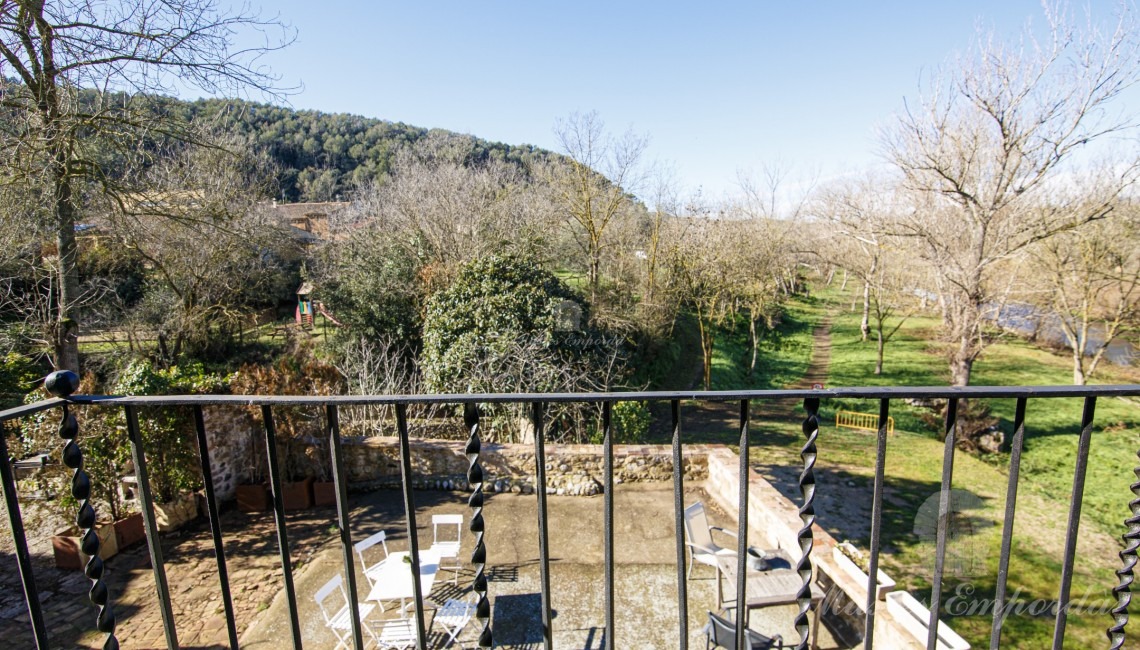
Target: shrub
pixel 167 433
pixel 631 422
pixel 299 429
pixel 508 325
pixel 496 305
pixel 18 376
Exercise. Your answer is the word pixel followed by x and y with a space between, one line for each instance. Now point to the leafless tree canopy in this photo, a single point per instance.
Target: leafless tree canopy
pixel 87 78
pixel 991 151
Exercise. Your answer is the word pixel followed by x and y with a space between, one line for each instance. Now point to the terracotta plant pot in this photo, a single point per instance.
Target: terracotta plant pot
pixel 253 498
pixel 65 545
pixel 324 494
pixel 298 495
pixel 130 530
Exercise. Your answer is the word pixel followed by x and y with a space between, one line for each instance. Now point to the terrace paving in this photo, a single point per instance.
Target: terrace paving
pixel 645 576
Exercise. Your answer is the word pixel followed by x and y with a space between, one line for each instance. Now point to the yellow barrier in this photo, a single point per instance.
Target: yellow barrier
pixel 862 421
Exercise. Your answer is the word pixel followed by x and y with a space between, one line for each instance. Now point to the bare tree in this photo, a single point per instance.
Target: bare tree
pixel 777 202
pixel 213 248
pixel 701 265
pixel 891 297
pixel 988 149
pixel 862 214
pixel 87 76
pixel 595 183
pixel 444 209
pixel 1091 281
pixel 378 367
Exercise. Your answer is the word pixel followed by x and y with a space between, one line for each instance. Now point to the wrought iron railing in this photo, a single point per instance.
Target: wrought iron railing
pixel 64 384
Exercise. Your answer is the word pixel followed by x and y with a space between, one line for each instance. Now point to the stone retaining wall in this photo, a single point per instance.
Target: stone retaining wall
pixel 374 461
pixel 575 470
pixel 774 522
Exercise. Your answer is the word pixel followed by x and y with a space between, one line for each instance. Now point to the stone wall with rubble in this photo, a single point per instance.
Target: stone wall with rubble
pixel 229 433
pixel 575 470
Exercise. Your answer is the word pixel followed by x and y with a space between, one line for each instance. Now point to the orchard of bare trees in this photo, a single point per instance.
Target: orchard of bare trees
pixel 1009 183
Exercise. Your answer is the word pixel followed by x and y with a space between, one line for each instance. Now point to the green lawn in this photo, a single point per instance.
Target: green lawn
pixel 783 356
pixel 914 464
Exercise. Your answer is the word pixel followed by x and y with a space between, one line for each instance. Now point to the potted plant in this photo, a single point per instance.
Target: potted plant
pixel 167 435
pixel 297 429
pixel 853 562
pixel 324 492
pixel 106 452
pixel 65 545
pixel 253 494
pixel 107 460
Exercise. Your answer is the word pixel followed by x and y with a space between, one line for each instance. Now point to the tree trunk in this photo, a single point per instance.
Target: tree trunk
pixel 67 333
pixel 755 343
pixel 960 367
pixel 843 287
pixel 707 337
pixel 865 324
pixel 1079 378
pixel 595 264
pixel 879 358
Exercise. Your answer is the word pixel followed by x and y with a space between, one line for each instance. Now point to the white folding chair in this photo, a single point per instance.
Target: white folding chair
pixel 454 615
pixel 338 622
pixel 448 548
pixel 397 634
pixel 372 571
pixel 701 546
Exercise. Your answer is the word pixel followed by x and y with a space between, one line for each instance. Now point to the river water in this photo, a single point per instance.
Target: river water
pixel 1026 319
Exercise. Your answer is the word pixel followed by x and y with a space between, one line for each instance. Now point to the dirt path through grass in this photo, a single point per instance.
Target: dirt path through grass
pixel 718 421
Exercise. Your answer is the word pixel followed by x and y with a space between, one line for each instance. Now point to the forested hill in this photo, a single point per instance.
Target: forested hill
pixel 326 155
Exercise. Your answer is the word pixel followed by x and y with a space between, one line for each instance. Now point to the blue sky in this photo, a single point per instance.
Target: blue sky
pixel 718 87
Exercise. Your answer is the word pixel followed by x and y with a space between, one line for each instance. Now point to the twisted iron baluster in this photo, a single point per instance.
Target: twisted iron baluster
pixel 1123 591
pixel 807 515
pixel 479 555
pixel 62 384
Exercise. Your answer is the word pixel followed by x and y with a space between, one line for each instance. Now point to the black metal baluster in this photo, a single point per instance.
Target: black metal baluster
pixel 279 518
pixel 1083 443
pixel 410 514
pixel 1125 574
pixel 479 555
pixel 340 481
pixel 608 524
pixel 679 525
pixel 543 534
pixel 23 557
pixel 807 516
pixel 153 542
pixel 215 525
pixel 62 384
pixel 742 533
pixel 1007 528
pixel 943 522
pixel 876 524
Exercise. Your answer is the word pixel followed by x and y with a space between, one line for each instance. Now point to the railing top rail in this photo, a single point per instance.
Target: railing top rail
pixel 29 409
pixel 880 392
